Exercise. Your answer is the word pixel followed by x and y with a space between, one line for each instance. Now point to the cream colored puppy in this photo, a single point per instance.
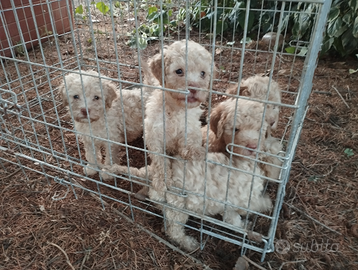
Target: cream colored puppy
pixel 260 88
pixel 172 125
pixel 227 198
pixel 221 135
pixel 89 99
pixel 224 191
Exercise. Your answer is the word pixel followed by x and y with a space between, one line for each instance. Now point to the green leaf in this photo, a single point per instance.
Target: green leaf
pixel 337 44
pixel 334 28
pixel 347 18
pixel 140 42
pixel 248 40
pixel 349 152
pixel 354 5
pixel 102 7
pixel 79 10
pixel 313 178
pixel 333 14
pixel 351 71
pixel 303 51
pixel 230 43
pixel 290 50
pixel 151 10
pixel 350 44
pixel 355 28
pixel 327 44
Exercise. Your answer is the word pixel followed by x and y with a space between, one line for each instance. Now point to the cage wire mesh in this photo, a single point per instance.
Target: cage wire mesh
pixel 56 38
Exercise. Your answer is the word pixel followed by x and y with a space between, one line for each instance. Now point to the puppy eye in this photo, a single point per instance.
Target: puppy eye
pixel 76 97
pixel 179 71
pixel 96 97
pixel 202 74
pixel 237 130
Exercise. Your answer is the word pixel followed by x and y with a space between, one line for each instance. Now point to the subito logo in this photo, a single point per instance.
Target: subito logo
pixel 282 246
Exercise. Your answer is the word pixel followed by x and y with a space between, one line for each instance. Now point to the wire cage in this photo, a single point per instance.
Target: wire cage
pixel 113 38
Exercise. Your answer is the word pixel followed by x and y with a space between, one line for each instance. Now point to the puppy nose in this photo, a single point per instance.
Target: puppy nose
pixel 272 122
pixel 192 91
pixel 84 111
pixel 251 146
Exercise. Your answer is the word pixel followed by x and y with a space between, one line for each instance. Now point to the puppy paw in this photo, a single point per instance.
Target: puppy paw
pixel 142 194
pixel 105 176
pixel 89 171
pixel 189 243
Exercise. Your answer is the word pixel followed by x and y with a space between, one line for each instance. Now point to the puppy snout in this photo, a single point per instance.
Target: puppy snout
pixel 192 91
pixel 252 145
pixel 84 111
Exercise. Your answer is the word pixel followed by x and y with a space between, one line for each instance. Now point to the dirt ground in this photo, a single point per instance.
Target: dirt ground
pixel 43 227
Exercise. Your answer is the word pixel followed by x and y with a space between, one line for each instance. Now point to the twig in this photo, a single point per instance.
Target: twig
pixel 11 174
pixel 339 94
pixel 291 262
pixel 313 219
pixel 64 253
pixel 323 93
pixel 158 238
pixel 349 93
pixel 253 263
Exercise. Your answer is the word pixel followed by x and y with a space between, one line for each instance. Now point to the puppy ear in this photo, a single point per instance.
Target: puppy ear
pixel 63 92
pixel 232 90
pixel 244 91
pixel 110 93
pixel 216 121
pixel 155 64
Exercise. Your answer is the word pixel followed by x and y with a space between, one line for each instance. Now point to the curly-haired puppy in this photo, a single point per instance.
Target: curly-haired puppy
pixel 223 191
pixel 96 108
pixel 260 88
pixel 221 135
pixel 172 125
pixel 214 185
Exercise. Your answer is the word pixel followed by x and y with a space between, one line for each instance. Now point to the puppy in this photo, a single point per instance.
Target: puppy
pixel 89 98
pixel 226 191
pixel 172 125
pixel 260 88
pixel 220 137
pixel 214 185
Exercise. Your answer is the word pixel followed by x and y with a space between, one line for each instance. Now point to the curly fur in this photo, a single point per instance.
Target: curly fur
pixel 186 67
pixel 215 183
pixel 221 133
pixel 83 95
pixel 257 87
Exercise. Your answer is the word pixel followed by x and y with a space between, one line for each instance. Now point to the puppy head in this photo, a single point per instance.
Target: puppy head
pixel 243 91
pixel 257 87
pixel 244 122
pixel 187 66
pixel 84 96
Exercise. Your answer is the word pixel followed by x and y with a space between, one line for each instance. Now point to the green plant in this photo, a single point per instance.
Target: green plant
pixel 101 6
pixel 20 48
pixel 341 33
pixel 349 152
pixel 158 21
